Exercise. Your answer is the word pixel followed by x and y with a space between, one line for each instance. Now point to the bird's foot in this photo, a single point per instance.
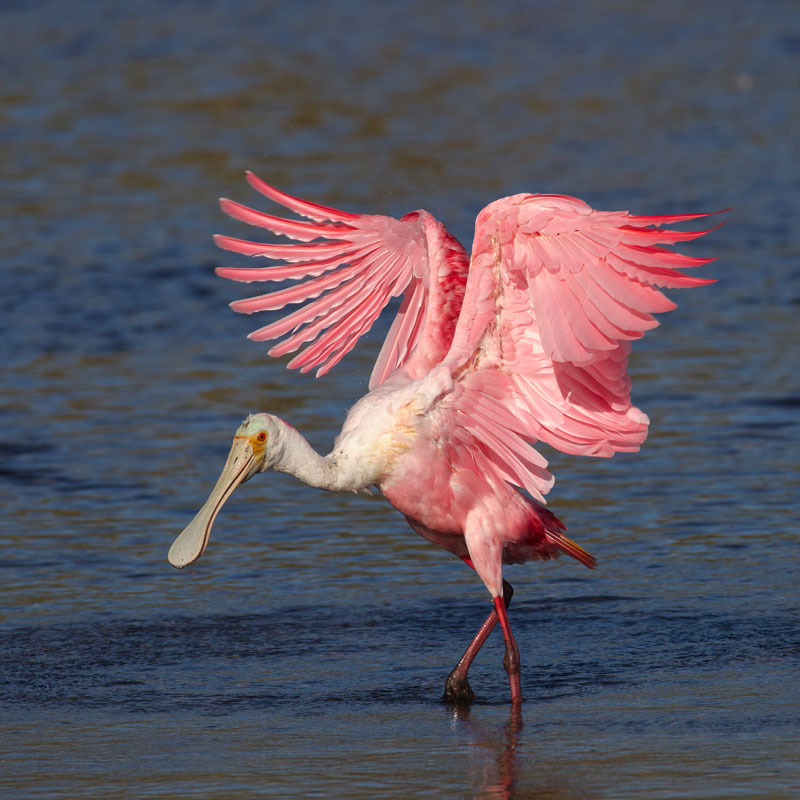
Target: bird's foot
pixel 457 690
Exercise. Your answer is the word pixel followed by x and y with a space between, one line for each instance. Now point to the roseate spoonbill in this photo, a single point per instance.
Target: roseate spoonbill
pixel 527 340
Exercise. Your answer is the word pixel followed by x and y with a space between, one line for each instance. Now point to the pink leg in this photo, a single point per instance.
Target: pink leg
pixel 457 688
pixel 511 658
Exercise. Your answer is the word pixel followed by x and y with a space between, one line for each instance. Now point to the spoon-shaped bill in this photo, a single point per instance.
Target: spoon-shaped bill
pixel 189 546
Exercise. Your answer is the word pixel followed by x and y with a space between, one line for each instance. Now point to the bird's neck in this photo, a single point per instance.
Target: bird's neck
pixel 295 456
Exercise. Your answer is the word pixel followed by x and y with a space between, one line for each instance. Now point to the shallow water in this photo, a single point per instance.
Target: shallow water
pixel 305 654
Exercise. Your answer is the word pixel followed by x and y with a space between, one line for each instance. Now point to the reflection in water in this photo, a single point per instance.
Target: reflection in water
pixel 495 756
pixel 497 780
pixel 496 776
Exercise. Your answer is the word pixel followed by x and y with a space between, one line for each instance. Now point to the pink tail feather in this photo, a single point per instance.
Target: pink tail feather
pixel 576 551
pixel 555 528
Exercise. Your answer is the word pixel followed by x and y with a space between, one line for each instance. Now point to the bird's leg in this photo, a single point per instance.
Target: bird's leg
pixel 457 688
pixel 511 658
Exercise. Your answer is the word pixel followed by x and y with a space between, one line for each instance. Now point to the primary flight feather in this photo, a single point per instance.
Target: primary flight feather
pixel 525 340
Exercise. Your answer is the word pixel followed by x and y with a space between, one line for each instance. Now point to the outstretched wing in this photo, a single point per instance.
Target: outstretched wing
pixel 345 280
pixel 556 293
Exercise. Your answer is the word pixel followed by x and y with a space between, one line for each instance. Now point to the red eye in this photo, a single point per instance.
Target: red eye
pixel 262 437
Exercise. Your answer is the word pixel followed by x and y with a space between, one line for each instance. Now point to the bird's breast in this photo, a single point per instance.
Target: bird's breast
pixel 388 426
pixel 372 443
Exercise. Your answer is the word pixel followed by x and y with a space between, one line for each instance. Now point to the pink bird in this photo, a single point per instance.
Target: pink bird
pixel 527 340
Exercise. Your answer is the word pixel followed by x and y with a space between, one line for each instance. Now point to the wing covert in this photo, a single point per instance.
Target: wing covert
pixel 556 293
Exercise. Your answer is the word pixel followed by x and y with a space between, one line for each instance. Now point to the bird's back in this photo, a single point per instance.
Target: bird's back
pixel 448 266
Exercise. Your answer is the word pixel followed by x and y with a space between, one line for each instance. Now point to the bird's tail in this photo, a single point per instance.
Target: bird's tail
pixel 576 551
pixel 555 528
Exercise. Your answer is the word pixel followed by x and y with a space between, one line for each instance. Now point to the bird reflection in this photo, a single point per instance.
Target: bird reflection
pixel 495 760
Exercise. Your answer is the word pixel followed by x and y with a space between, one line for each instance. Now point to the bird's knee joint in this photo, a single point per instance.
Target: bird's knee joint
pixel 511 660
pixel 508 593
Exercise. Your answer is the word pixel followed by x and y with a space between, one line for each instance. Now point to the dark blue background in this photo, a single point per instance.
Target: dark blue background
pixel 305 653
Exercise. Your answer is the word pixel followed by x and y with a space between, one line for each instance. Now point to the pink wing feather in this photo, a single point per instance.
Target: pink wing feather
pixel 556 292
pixel 345 281
pixel 539 346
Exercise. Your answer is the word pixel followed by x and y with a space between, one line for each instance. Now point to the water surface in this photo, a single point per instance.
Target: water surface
pixel 305 654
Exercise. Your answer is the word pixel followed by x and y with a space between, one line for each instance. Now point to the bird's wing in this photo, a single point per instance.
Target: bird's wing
pixel 345 280
pixel 555 294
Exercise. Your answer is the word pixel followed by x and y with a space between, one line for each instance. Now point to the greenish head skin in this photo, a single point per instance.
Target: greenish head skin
pixel 255 423
pixel 250 453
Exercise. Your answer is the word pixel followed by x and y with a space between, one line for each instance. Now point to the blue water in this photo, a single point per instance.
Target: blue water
pixel 305 654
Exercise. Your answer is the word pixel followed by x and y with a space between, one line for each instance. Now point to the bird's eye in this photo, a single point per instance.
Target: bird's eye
pixel 262 437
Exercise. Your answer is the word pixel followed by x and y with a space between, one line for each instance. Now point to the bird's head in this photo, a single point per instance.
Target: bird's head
pixel 253 450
